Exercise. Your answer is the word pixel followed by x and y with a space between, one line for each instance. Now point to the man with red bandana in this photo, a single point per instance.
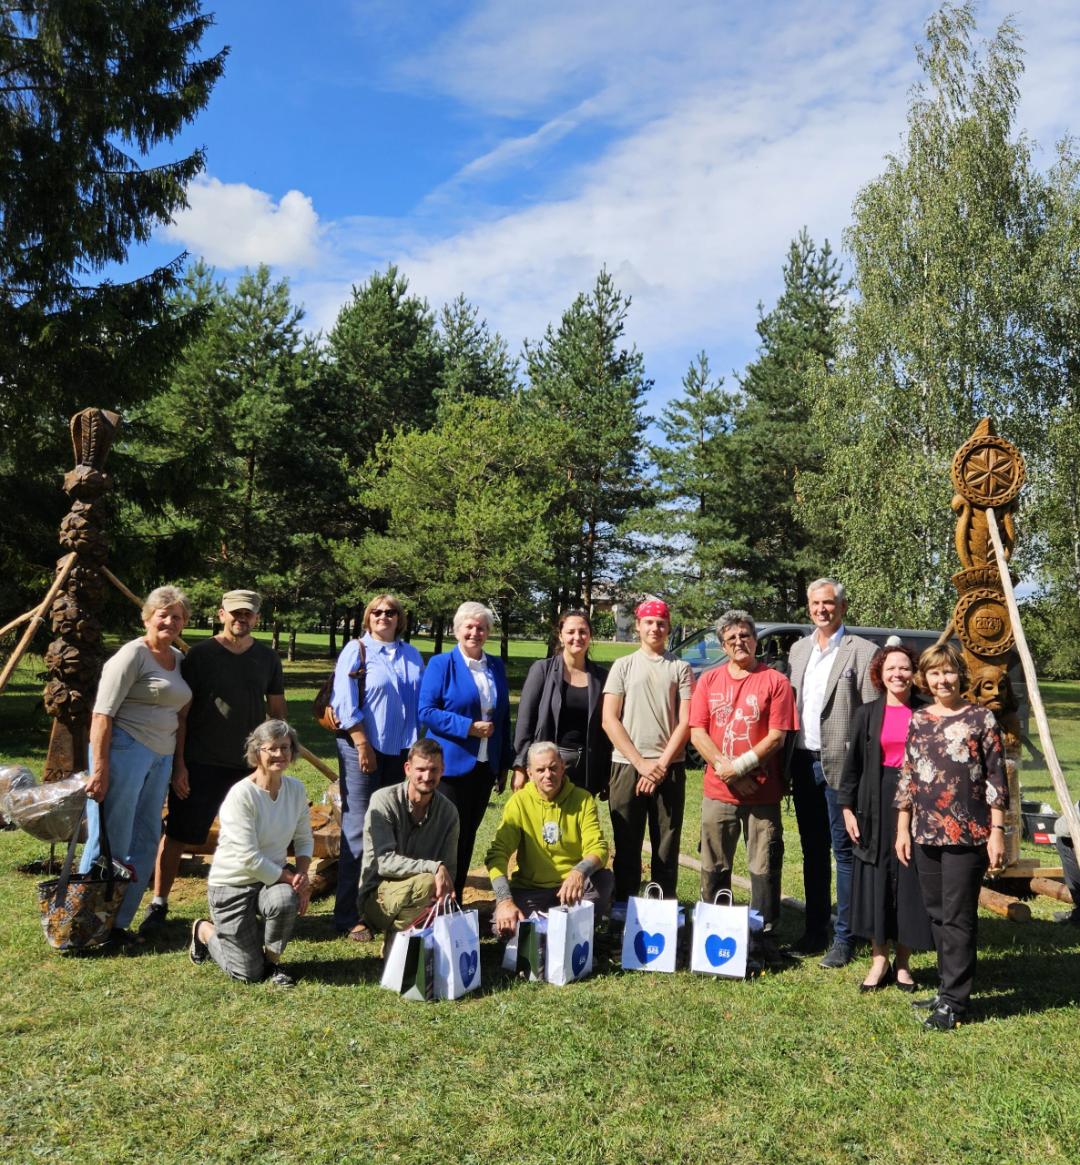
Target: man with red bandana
pixel 647 718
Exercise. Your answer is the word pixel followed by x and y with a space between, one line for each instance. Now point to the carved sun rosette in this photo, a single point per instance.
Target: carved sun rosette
pixel 982 623
pixel 987 470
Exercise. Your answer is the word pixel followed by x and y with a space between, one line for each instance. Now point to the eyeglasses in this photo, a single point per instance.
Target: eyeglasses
pixel 277 750
pixel 739 637
pixel 383 613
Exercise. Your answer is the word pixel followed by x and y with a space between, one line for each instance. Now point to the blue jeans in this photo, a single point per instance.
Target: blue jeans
pixel 356 789
pixel 821 828
pixel 138 782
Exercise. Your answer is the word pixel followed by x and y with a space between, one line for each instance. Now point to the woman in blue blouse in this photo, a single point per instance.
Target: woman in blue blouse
pixel 375 739
pixel 465 706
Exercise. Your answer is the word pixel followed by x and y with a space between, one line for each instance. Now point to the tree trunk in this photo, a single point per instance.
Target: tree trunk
pixel 357 623
pixel 439 624
pixel 504 637
pixel 332 650
pixel 276 642
pixel 292 645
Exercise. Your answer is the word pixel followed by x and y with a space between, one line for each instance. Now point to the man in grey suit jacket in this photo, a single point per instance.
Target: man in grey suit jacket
pixel 830 675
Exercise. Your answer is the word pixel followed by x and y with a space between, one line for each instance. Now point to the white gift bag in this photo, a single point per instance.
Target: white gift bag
pixel 651 932
pixel 721 938
pixel 570 943
pixel 457 952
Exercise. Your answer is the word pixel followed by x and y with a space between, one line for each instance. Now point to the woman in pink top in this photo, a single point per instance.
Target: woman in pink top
pixel 886 902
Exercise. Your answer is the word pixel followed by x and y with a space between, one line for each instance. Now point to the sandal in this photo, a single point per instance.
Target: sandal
pixel 360 934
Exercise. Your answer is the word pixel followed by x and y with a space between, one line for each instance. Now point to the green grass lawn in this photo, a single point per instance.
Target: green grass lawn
pixel 139 1058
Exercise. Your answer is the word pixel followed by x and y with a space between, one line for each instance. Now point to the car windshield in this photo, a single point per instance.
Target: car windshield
pixel 700 651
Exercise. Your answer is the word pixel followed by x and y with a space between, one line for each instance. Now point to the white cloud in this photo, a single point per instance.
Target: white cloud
pixel 234 225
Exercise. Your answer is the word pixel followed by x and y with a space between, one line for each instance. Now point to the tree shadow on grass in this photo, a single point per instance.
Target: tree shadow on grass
pixel 1030 969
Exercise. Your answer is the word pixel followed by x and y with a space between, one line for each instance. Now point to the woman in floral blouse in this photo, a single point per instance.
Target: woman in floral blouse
pixel 951 797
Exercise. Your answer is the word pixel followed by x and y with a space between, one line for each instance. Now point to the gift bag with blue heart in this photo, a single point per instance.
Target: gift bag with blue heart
pixel 651 933
pixel 721 938
pixel 526 950
pixel 410 966
pixel 457 952
pixel 569 943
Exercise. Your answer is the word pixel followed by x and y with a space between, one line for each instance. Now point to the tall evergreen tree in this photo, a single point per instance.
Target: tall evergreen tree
pixel 475 361
pixel 582 375
pixel 777 448
pixel 89 92
pixel 692 533
pixel 946 327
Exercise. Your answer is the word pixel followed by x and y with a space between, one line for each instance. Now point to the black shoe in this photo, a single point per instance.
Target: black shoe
pixel 907 988
pixel 809 944
pixel 279 977
pixel 929 1004
pixel 763 949
pixel 154 919
pixel 119 937
pixel 885 981
pixel 838 955
pixel 198 952
pixel 941 1019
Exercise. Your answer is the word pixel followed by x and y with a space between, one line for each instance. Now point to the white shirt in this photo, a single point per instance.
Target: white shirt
pixel 815 680
pixel 485 685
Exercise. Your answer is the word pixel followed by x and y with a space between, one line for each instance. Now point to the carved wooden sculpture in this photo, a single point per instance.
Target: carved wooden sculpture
pixel 75 656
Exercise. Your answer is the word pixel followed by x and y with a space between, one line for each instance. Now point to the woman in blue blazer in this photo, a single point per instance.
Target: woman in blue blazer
pixel 465 706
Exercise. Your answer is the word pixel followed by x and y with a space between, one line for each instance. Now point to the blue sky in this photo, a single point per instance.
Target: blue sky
pixel 507 150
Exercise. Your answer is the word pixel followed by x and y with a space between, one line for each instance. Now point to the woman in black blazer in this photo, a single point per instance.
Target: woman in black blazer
pixel 562 701
pixel 886 901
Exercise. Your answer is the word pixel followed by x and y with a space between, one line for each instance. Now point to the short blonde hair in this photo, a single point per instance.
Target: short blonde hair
pixel 473 611
pixel 941 655
pixel 161 597
pixel 390 601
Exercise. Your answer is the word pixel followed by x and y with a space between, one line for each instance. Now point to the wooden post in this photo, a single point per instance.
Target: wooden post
pixel 16 622
pixel 1034 696
pixel 36 618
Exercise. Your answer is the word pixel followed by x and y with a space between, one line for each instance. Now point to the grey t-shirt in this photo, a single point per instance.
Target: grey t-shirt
pixel 228 699
pixel 652 688
pixel 142 697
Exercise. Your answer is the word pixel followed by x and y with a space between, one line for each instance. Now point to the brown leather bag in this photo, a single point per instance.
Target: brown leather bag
pixel 322 708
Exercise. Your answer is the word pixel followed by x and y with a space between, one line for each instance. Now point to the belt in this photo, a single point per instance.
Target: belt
pixel 812 752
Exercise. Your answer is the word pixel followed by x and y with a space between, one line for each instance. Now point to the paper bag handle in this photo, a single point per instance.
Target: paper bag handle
pixel 654 886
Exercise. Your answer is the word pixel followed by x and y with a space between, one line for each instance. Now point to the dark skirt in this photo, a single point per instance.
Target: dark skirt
pixel 886 900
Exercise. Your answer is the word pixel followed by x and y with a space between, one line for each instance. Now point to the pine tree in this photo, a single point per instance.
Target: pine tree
pixel 88 92
pixel 582 376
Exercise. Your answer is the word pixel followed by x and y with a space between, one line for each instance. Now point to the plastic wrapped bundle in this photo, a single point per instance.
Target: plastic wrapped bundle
pixel 332 798
pixel 13 777
pixel 50 812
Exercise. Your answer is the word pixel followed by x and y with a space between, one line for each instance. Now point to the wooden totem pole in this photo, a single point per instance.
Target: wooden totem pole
pixel 988 473
pixel 75 656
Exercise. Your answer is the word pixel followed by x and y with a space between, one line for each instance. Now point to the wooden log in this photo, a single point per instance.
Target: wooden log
pixel 37 617
pixel 322 874
pixel 1049 889
pixel 1034 695
pixel 1004 905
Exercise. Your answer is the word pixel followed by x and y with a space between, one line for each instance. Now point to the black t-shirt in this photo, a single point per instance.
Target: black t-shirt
pixel 573 729
pixel 228 699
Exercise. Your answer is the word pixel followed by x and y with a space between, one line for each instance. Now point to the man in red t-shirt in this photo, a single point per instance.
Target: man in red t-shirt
pixel 740 715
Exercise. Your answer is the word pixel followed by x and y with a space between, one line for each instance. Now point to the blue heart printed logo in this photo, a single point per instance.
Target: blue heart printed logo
pixel 648 946
pixel 719 950
pixel 468 961
pixel 579 956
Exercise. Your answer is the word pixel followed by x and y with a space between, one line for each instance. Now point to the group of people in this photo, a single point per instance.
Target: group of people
pixel 894 776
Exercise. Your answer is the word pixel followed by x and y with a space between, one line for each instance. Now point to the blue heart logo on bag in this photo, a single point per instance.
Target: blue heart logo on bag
pixel 719 950
pixel 467 961
pixel 579 956
pixel 648 946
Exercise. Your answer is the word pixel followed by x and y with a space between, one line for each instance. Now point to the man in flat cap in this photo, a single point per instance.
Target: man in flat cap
pixel 647 719
pixel 236 684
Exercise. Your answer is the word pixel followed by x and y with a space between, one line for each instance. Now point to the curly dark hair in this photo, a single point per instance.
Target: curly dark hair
pixel 878 662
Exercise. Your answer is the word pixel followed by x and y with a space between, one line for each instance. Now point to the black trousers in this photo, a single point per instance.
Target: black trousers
pixel 470 794
pixel 950 877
